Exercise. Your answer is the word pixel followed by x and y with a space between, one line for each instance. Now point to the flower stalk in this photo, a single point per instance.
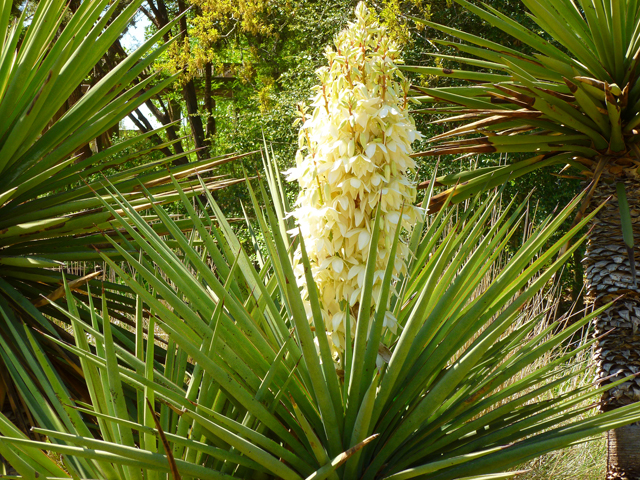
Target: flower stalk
pixel 354 153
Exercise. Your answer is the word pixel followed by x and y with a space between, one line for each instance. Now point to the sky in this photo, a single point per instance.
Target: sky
pixel 130 41
pixel 135 35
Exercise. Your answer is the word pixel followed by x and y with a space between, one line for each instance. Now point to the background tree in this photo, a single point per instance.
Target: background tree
pixel 245 67
pixel 271 56
pixel 571 98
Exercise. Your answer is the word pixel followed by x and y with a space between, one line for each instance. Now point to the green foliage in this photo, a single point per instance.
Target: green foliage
pixel 239 384
pixel 51 199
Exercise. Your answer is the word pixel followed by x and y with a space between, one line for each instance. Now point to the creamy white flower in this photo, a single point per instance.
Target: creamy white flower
pixel 354 152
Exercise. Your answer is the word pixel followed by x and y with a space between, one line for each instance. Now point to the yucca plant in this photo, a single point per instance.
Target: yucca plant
pixel 49 212
pixel 245 387
pixel 239 384
pixel 573 99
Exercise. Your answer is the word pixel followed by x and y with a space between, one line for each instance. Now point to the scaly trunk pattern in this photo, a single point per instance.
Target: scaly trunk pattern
pixel 609 276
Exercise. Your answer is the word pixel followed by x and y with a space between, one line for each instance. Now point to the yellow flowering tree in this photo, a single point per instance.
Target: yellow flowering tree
pixel 353 155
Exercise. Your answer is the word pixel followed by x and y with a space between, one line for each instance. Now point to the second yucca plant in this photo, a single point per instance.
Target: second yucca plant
pixel 573 100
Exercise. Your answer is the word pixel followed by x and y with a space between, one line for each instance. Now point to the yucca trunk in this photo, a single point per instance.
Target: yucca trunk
pixel 609 276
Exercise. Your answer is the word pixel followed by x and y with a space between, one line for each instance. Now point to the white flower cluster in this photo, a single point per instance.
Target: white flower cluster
pixel 353 154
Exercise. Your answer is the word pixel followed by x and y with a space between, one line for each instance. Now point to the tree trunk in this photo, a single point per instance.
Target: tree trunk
pixel 143 124
pixel 624 454
pixel 191 98
pixel 159 15
pixel 195 121
pixel 165 117
pixel 209 104
pixel 608 275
